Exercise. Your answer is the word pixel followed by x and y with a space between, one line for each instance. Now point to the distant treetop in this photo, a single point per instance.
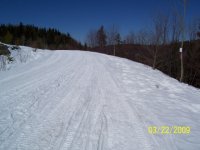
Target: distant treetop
pixel 29 35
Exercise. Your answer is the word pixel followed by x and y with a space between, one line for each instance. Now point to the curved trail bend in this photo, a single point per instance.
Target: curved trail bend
pixel 75 100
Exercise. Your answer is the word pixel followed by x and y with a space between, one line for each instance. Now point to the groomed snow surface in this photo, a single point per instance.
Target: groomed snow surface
pixel 73 100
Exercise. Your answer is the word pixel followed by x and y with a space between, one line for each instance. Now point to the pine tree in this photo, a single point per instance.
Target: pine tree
pixel 101 37
pixel 8 37
pixel 118 39
pixel 30 35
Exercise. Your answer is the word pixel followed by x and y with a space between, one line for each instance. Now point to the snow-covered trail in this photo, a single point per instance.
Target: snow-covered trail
pixel 74 100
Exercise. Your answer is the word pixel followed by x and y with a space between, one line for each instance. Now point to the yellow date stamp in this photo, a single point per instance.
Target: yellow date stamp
pixel 169 130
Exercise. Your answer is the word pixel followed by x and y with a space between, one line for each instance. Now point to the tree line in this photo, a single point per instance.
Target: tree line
pixel 158 47
pixel 29 35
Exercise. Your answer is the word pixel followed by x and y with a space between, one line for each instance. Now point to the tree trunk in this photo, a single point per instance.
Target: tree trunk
pixel 155 57
pixel 114 50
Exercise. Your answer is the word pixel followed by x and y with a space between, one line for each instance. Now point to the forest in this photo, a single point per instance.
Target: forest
pixel 29 35
pixel 158 48
pixel 168 46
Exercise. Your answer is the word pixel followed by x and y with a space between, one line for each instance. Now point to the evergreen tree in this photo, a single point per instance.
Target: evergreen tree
pixel 118 39
pixel 101 37
pixel 8 37
pixel 30 35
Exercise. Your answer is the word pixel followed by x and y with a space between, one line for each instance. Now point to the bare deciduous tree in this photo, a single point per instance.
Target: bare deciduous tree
pixel 142 37
pixel 91 38
pixel 175 27
pixel 192 30
pixel 183 38
pixel 130 38
pixel 159 35
pixel 113 36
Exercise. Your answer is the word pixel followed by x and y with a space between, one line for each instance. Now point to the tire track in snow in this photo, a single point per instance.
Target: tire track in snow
pixel 87 103
pixel 80 115
pixel 127 110
pixel 30 118
pixel 154 143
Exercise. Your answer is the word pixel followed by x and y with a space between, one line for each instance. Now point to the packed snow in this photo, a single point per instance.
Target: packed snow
pixel 74 100
pixel 19 55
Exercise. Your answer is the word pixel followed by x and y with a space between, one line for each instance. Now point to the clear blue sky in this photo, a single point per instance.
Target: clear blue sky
pixel 79 16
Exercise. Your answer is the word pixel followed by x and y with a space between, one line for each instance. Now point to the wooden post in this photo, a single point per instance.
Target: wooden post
pixel 183 38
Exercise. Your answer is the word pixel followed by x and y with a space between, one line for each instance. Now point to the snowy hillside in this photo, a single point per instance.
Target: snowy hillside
pixel 18 56
pixel 82 100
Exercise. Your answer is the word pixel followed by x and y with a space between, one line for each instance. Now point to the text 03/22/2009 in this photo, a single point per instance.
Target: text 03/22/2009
pixel 169 130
